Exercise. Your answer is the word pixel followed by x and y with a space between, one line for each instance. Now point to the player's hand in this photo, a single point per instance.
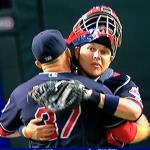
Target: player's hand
pixel 122 134
pixel 47 92
pixel 35 131
pixel 60 96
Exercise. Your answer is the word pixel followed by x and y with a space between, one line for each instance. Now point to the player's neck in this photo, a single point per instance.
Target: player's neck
pixel 59 68
pixel 60 65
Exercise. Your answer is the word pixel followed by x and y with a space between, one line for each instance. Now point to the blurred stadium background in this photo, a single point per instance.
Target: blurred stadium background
pixel 20 20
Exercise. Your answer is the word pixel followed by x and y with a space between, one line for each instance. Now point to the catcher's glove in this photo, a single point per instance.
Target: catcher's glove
pixel 60 95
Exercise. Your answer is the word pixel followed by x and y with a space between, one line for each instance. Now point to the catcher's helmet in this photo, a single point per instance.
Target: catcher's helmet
pixel 100 21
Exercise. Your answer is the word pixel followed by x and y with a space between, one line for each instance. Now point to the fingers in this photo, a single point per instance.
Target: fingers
pixel 65 94
pixel 36 120
pixel 62 88
pixel 44 138
pixel 46 130
pixel 34 93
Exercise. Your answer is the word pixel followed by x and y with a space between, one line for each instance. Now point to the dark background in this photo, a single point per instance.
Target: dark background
pixel 20 20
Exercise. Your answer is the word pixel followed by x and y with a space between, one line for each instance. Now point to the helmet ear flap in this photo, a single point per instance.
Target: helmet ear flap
pixel 74 64
pixel 75 60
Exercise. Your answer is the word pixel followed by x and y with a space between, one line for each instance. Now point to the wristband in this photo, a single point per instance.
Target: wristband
pixel 111 103
pixel 20 130
pixel 95 97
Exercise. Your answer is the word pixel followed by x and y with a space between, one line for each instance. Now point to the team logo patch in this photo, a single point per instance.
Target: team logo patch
pixel 53 74
pixel 135 91
pixel 48 58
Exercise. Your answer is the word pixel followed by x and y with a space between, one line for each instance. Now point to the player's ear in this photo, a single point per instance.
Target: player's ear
pixel 38 64
pixel 76 52
pixel 111 58
pixel 68 53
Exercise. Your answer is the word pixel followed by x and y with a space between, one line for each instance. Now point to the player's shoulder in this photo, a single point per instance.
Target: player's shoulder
pixel 113 76
pixel 118 80
pixel 120 76
pixel 25 86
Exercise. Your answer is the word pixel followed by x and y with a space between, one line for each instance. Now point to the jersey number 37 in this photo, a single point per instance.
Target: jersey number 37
pixel 51 119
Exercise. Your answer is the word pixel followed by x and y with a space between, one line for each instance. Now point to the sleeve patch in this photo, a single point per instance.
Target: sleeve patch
pixel 135 92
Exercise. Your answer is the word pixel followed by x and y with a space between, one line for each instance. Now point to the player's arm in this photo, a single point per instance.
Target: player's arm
pixel 9 120
pixel 14 135
pixel 6 134
pixel 74 92
pixel 143 129
pixel 122 107
pixel 129 132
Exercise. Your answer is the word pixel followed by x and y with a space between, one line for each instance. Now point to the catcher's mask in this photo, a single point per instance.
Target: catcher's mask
pixel 98 22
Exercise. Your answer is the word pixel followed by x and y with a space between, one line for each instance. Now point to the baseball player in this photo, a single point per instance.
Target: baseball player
pixel 96 37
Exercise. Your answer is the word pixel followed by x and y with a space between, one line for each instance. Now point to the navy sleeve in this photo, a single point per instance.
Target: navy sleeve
pixel 123 86
pixel 10 119
pixel 129 90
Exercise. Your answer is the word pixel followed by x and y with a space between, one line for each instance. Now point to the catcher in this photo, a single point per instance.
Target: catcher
pixel 94 40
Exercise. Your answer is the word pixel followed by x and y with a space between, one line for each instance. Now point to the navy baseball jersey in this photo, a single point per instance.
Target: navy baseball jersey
pixel 76 128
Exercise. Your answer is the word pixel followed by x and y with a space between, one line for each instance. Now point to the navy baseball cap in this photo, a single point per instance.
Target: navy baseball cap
pixel 48 45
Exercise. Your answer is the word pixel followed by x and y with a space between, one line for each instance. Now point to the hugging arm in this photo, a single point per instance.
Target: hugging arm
pixel 68 94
